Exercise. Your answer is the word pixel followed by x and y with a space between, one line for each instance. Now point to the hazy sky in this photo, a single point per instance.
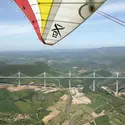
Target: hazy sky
pixel 16 33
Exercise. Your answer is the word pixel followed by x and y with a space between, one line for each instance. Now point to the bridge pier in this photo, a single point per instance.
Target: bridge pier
pixel 19 79
pixel 93 82
pixel 117 84
pixel 70 80
pixel 59 82
pixel 45 80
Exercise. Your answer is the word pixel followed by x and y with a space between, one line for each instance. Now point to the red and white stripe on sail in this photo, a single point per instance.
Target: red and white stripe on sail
pixel 35 7
pixel 26 7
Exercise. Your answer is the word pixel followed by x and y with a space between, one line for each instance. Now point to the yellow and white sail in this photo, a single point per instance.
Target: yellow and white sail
pixel 55 19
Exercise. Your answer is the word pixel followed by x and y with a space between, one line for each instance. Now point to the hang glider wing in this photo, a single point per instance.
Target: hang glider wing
pixel 55 19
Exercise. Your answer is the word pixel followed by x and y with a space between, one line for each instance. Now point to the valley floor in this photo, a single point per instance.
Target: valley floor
pixel 52 106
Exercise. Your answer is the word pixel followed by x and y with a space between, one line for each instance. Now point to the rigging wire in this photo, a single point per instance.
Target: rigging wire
pixel 111 16
pixel 114 19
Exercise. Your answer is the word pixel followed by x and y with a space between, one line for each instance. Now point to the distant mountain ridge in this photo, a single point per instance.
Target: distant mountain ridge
pixel 28 69
pixel 105 57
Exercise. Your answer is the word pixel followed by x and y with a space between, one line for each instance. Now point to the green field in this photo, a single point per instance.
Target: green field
pixel 81 114
pixel 27 101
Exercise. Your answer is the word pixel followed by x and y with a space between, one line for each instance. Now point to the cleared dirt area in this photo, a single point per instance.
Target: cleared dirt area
pixel 55 111
pixel 51 90
pixel 3 86
pixel 18 88
pixel 64 97
pixel 12 88
pixel 65 123
pixel 23 87
pixel 79 97
pixel 87 124
pixel 94 115
pixel 52 115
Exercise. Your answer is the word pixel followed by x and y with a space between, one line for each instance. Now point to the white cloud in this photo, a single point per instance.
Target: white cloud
pixel 9 29
pixel 115 7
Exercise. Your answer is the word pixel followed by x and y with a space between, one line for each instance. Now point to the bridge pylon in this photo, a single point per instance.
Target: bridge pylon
pixel 117 84
pixel 93 82
pixel 45 80
pixel 70 75
pixel 19 79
